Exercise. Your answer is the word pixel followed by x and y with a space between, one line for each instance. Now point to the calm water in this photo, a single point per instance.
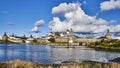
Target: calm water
pixel 48 55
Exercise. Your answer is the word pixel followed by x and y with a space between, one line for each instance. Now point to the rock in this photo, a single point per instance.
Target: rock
pixel 115 60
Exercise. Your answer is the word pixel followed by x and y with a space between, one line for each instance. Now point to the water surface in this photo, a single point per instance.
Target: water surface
pixel 49 55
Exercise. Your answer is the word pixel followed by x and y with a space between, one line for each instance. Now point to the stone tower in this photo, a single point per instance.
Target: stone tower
pixel 5 37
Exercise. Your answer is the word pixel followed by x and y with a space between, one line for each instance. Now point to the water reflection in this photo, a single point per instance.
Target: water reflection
pixel 49 55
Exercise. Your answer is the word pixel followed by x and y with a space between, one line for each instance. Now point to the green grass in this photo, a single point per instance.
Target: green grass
pixel 106 45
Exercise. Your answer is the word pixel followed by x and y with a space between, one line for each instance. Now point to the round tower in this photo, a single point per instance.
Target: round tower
pixel 5 37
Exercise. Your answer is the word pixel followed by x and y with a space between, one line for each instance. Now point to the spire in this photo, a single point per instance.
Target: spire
pixel 5 37
pixel 31 36
pixel 12 35
pixel 71 30
pixel 108 31
pixel 108 35
pixel 5 34
pixel 24 37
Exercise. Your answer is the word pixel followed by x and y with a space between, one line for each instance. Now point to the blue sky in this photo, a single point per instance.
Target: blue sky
pixel 20 16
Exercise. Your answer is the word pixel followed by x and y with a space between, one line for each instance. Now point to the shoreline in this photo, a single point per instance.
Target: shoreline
pixel 67 45
pixel 102 48
pixel 71 64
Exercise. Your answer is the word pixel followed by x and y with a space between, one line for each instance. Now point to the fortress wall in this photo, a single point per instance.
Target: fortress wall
pixel 85 40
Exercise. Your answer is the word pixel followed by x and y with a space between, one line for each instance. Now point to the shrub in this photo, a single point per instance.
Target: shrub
pixel 52 39
pixel 35 41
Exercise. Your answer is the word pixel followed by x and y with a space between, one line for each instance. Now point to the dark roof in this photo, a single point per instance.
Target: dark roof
pixel 108 33
pixel 13 35
pixel 57 33
pixel 103 37
pixel 5 34
pixel 31 36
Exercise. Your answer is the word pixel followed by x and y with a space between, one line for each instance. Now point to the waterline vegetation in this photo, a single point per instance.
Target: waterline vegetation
pixel 110 45
pixel 70 64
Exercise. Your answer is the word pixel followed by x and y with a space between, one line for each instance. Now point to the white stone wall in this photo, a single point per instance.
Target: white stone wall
pixel 86 40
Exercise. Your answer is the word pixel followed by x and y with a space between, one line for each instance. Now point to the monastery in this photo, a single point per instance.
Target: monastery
pixel 67 36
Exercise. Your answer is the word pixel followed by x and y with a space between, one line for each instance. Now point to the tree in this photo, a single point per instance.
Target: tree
pixel 52 39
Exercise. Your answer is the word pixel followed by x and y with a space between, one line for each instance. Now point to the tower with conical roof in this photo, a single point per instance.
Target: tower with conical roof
pixel 57 34
pixel 31 36
pixel 23 37
pixel 5 37
pixel 12 35
pixel 108 35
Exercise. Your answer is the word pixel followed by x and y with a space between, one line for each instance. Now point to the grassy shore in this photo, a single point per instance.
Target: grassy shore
pixel 108 45
pixel 85 64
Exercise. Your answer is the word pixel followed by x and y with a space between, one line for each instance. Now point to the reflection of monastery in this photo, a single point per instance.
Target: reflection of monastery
pixel 67 36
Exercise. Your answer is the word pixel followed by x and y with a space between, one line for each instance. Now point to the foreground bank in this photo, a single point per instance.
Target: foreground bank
pixel 85 64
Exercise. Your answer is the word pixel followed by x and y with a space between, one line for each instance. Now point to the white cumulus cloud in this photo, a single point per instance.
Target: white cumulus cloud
pixel 0 37
pixel 35 29
pixel 39 23
pixel 65 8
pixel 75 18
pixel 109 5
pixel 115 28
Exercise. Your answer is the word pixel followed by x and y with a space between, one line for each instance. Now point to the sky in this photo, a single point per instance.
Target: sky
pixel 42 16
